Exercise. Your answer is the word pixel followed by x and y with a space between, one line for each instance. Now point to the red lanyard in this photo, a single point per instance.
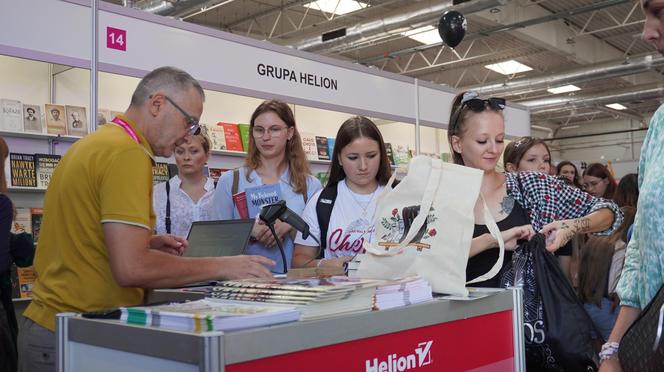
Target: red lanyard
pixel 123 124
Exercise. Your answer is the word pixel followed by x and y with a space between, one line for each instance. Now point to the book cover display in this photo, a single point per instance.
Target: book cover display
pixel 55 119
pixel 390 153
pixel 45 165
pixel 77 121
pixel 217 138
pixel 160 173
pixel 232 134
pixel 11 115
pixel 330 146
pixel 258 196
pixel 323 151
pixel 22 170
pixel 36 215
pixel 103 116
pixel 32 119
pixel 22 221
pixel 244 135
pixel 309 145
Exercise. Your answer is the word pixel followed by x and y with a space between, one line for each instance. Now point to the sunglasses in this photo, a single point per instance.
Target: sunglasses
pixel 472 101
pixel 193 127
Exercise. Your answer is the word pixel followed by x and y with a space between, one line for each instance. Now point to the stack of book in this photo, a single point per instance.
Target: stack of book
pixel 315 297
pixel 209 315
pixel 402 292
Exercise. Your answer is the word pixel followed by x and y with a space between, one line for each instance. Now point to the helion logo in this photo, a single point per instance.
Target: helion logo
pixel 420 357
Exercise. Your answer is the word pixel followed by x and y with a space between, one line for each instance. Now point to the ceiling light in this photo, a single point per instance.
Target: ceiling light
pixel 563 89
pixel 425 35
pixel 616 106
pixel 510 67
pixel 337 7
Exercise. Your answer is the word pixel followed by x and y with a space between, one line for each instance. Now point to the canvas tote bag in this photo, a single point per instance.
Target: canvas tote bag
pixel 435 244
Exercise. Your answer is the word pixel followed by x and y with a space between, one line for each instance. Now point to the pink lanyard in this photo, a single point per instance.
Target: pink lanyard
pixel 123 124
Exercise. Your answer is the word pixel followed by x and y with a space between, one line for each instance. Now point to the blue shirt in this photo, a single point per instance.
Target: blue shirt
pixel 643 273
pixel 225 209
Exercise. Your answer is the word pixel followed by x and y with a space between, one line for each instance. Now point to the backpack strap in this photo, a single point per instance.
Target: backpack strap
pixel 236 181
pixel 324 207
pixel 167 220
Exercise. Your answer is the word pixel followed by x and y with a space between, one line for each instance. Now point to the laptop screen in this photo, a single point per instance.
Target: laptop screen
pixel 218 238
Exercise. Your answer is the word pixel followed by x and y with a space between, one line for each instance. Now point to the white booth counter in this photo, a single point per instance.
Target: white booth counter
pixel 484 334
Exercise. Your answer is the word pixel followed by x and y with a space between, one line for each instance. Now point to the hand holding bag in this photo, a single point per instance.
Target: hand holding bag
pixel 434 244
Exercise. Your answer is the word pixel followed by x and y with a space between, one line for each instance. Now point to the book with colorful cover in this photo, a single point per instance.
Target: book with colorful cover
pixel 22 221
pixel 22 170
pixel 26 278
pixel 209 315
pixel 244 135
pixel 45 165
pixel 330 146
pixel 258 196
pixel 321 146
pixel 240 201
pixel 36 215
pixel 160 173
pixel 309 145
pixel 215 174
pixel 232 134
pixel 217 137
pixel 11 115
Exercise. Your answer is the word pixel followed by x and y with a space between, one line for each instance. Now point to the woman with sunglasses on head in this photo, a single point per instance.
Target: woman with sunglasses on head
pixel 275 156
pixel 598 181
pixel 530 154
pixel 568 170
pixel 358 174
pixel 476 135
pixel 188 196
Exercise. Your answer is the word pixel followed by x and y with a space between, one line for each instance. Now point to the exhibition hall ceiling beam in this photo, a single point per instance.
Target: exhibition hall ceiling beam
pixel 635 93
pixel 600 71
pixel 560 38
pixel 395 22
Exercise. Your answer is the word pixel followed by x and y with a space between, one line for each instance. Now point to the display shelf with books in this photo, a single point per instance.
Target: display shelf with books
pixel 42 136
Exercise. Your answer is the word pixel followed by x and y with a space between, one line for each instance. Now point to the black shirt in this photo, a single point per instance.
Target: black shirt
pixel 482 262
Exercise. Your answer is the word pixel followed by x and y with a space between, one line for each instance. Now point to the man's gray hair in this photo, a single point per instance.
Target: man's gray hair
pixel 170 79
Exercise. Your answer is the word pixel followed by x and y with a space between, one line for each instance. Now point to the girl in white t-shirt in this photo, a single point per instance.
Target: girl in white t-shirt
pixel 359 171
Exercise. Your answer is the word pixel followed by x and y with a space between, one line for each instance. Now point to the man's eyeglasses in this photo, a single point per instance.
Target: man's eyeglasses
pixel 275 131
pixel 473 102
pixel 193 127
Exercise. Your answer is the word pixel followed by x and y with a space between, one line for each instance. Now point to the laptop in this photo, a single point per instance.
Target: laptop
pixel 218 238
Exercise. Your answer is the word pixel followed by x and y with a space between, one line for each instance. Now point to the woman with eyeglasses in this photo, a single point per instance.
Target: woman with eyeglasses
pixel 275 156
pixel 517 200
pixel 187 196
pixel 598 181
pixel 341 215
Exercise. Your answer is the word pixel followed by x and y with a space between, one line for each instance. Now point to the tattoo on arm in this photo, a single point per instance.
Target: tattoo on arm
pixel 582 225
pixel 507 205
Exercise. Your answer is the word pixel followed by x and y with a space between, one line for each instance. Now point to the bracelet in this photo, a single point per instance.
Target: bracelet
pixel 609 349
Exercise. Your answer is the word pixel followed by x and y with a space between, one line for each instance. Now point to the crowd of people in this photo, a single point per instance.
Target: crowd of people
pixel 108 235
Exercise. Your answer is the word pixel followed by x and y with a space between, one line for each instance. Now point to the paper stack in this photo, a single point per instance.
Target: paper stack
pixel 209 315
pixel 315 297
pixel 402 292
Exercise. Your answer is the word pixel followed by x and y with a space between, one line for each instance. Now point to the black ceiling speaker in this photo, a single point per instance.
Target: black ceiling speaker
pixel 452 28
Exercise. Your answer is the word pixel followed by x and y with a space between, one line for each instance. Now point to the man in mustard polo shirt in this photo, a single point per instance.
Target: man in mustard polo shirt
pixel 96 248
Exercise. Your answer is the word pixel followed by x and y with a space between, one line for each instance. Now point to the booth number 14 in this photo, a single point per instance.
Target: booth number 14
pixel 116 38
